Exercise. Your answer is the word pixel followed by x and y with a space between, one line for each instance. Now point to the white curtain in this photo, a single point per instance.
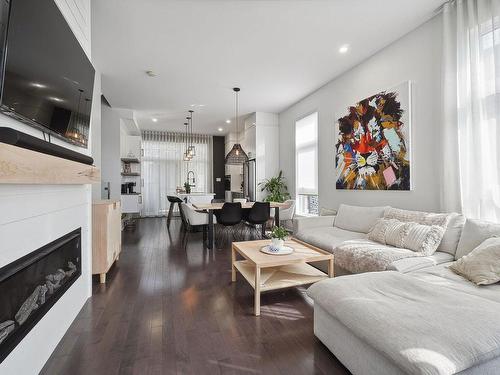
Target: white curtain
pixel 471 108
pixel 164 170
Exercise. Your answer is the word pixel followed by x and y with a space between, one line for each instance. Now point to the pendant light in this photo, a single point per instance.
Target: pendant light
pixel 186 153
pixel 192 150
pixel 236 156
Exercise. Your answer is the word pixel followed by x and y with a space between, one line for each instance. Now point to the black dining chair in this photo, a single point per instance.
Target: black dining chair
pixel 174 200
pixel 228 217
pixel 258 215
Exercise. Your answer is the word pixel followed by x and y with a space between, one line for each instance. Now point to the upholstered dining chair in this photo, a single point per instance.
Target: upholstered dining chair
pixel 286 213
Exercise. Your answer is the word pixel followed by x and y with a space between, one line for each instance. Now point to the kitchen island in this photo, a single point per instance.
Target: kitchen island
pixel 193 198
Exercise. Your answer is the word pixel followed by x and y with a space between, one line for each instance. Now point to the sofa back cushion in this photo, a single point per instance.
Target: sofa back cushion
pixel 420 217
pixel 473 234
pixel 358 219
pixel 451 236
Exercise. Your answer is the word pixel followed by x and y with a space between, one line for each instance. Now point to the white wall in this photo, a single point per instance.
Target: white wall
pixel 415 57
pixel 110 153
pixel 34 215
pixel 266 150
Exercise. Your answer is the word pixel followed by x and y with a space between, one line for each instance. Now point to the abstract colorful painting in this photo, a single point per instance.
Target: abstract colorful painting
pixel 372 150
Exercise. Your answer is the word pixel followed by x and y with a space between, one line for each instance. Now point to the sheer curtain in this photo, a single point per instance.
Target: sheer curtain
pixel 471 71
pixel 163 169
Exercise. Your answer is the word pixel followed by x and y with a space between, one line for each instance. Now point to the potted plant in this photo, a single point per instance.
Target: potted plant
pixel 276 188
pixel 278 236
pixel 187 187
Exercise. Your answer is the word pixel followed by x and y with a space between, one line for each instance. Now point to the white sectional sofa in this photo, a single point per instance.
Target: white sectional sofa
pixel 424 319
pixel 345 235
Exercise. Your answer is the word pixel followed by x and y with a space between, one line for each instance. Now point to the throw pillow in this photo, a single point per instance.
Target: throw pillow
pixel 481 265
pixel 425 218
pixel 377 233
pixel 423 238
pixel 396 233
pixel 420 238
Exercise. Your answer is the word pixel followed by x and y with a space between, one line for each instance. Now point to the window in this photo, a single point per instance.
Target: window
pixel 306 164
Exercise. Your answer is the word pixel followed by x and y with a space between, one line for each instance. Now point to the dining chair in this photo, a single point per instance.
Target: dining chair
pixel 228 217
pixel 195 219
pixel 173 200
pixel 258 215
pixel 286 213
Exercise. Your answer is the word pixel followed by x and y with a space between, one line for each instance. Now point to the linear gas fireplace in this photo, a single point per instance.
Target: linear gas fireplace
pixel 31 285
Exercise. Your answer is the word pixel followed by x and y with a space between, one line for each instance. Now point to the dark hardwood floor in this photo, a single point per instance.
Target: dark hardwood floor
pixel 169 307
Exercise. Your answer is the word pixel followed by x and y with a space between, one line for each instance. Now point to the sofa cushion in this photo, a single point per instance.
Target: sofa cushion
pixel 364 255
pixel 416 263
pixel 407 235
pixel 452 234
pixel 473 234
pixel 358 219
pixel 327 238
pixel 420 217
pixel 481 265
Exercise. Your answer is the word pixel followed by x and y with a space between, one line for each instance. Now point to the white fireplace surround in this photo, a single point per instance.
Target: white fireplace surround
pixel 34 215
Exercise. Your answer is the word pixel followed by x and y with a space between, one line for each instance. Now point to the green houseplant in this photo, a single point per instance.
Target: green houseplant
pixel 276 188
pixel 187 187
pixel 278 236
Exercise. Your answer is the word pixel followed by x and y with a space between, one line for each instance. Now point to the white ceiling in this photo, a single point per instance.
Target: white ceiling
pixel 276 51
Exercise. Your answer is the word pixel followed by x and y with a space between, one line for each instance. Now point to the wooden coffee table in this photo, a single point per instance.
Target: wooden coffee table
pixel 270 272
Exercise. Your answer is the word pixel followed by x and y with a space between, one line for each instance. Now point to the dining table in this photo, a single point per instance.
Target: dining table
pixel 209 208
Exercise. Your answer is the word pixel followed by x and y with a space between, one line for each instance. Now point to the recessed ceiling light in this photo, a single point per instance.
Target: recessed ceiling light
pixel 151 73
pixel 344 48
pixel 228 121
pixel 38 85
pixel 154 119
pixel 56 99
pixel 220 129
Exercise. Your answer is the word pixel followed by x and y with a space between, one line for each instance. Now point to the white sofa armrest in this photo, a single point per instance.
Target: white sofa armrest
pixel 303 223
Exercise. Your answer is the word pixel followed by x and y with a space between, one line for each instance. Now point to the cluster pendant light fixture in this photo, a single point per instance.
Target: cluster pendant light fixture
pixel 236 156
pixel 190 149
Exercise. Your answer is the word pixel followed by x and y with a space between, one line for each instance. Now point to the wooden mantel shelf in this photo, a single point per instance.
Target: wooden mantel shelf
pixel 21 166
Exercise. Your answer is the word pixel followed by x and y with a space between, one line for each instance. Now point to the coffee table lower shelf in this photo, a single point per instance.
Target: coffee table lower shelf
pixel 279 277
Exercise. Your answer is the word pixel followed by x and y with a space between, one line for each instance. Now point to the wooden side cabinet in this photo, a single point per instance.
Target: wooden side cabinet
pixel 106 236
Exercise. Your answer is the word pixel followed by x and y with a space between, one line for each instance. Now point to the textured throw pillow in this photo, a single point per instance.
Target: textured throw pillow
pixel 481 265
pixel 396 233
pixel 377 233
pixel 420 238
pixel 423 238
pixel 425 218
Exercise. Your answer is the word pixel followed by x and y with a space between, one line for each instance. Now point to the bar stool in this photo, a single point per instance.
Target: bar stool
pixel 173 200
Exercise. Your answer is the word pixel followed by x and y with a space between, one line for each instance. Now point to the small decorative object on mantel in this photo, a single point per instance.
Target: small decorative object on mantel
pixel 373 144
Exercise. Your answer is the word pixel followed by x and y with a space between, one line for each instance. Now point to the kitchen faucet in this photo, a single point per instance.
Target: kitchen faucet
pixel 192 182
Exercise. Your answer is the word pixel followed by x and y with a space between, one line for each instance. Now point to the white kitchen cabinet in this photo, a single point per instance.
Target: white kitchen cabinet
pixel 131 203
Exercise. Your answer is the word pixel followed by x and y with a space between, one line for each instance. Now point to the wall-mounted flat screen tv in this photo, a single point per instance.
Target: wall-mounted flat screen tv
pixel 46 78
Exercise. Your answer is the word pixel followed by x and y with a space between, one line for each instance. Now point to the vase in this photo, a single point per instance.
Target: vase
pixel 277 243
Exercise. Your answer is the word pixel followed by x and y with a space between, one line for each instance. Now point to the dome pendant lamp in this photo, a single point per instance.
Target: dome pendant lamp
pixel 236 156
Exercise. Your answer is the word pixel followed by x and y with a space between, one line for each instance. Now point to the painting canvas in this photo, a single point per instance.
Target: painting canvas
pixel 373 144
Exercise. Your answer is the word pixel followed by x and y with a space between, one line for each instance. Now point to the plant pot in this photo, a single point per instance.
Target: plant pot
pixel 277 243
